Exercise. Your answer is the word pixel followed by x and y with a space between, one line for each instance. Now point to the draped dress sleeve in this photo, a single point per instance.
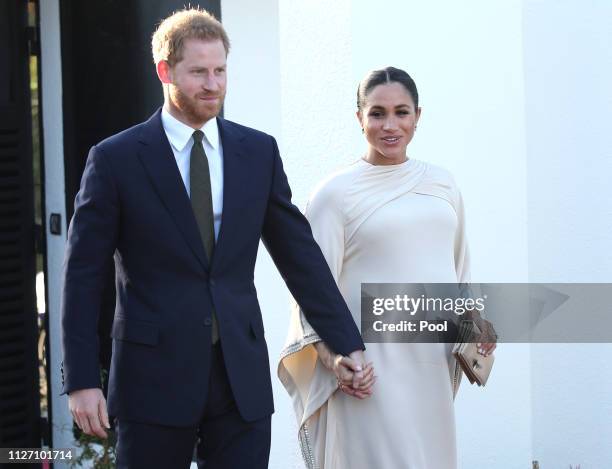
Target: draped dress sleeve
pixel 307 381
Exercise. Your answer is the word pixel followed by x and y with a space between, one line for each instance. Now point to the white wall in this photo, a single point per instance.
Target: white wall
pixel 517 104
pixel 568 71
pixel 254 99
pixel 55 202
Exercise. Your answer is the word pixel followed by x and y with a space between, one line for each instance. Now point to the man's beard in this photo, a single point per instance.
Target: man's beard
pixel 194 109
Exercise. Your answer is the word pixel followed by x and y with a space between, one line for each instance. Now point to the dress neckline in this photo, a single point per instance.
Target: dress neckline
pixel 387 167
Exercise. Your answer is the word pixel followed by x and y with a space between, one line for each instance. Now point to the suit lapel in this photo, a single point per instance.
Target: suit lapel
pixel 231 139
pixel 158 160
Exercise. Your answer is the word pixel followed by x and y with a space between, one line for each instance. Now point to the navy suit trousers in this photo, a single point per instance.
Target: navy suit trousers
pixel 222 438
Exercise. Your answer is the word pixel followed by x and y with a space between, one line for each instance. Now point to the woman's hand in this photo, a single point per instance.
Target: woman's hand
pixel 485 348
pixel 487 340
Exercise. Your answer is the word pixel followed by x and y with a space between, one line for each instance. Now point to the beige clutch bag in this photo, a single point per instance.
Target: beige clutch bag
pixel 476 367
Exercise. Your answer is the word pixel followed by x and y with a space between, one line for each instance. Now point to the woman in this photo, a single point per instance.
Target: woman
pixel 385 219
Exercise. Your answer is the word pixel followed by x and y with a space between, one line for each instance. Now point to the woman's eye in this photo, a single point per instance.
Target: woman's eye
pixel 376 114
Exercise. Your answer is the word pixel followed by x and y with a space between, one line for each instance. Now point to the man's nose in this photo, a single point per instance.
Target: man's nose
pixel 211 82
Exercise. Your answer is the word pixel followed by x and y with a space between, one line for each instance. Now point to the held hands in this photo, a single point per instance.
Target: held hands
pixel 88 408
pixel 355 377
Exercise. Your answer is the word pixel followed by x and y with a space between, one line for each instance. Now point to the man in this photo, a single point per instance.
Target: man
pixel 181 202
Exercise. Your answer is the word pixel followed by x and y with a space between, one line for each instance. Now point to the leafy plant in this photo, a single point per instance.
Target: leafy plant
pixel 96 452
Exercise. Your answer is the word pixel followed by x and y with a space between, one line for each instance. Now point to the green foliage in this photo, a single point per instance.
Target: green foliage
pixel 96 452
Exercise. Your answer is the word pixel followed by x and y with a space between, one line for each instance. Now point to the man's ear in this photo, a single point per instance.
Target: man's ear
pixel 164 72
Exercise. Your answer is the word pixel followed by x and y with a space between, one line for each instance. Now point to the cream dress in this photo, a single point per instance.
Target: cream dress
pixel 399 224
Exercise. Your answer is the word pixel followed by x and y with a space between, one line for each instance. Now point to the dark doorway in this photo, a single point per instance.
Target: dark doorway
pixel 109 78
pixel 109 84
pixel 19 373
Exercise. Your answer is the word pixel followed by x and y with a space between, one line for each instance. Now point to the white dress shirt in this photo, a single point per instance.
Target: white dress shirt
pixel 180 137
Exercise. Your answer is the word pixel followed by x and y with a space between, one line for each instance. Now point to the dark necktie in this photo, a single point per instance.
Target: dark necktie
pixel 201 202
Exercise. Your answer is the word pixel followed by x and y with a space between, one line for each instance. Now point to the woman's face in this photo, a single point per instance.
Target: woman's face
pixel 388 119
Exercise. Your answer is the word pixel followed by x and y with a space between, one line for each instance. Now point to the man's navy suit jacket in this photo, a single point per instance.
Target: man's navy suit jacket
pixel 132 205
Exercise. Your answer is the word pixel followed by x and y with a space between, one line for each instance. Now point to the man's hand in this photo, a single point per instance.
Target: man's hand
pixel 88 408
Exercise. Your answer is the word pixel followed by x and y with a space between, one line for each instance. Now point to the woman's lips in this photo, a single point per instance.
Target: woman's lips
pixel 391 140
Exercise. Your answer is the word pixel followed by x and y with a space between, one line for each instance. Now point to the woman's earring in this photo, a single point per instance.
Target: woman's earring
pixel 362 131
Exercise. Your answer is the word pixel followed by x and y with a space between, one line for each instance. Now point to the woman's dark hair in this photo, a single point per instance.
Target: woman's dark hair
pixel 386 75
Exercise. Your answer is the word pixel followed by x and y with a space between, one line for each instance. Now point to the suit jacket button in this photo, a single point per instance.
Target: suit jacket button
pixel 212 282
pixel 207 322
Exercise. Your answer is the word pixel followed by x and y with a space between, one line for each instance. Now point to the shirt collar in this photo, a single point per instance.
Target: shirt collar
pixel 179 134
